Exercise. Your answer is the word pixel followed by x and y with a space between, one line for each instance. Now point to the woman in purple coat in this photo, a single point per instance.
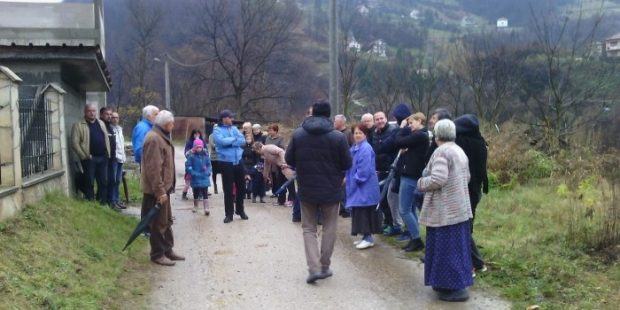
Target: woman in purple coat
pixel 362 186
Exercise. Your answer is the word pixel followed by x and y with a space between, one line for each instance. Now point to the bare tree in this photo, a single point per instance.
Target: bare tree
pixel 145 21
pixel 244 36
pixel 574 89
pixel 382 85
pixel 422 82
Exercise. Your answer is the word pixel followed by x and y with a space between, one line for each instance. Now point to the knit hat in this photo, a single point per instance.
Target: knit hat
pixel 256 126
pixel 198 143
pixel 401 111
pixel 321 108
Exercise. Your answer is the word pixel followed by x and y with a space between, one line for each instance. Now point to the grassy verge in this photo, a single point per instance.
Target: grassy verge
pixel 522 234
pixel 63 253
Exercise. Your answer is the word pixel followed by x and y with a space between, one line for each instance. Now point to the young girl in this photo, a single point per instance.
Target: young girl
pixel 362 187
pixel 198 165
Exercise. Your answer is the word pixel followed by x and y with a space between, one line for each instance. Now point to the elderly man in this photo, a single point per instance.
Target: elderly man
pixel 158 180
pixel 142 128
pixel 340 124
pixel 89 141
pixel 105 114
pixel 229 144
pixel 320 184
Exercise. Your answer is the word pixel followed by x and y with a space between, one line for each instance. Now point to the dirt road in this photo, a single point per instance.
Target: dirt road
pixel 260 264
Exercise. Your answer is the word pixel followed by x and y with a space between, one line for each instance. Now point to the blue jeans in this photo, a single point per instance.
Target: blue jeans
pixel 116 182
pixel 409 197
pixel 297 208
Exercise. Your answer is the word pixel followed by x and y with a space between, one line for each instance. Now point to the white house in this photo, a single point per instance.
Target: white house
pixel 352 44
pixel 415 14
pixel 612 46
pixel 363 10
pixel 379 48
pixel 502 22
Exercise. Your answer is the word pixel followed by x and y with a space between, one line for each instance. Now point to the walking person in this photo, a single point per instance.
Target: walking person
pixel 89 141
pixel 362 188
pixel 320 184
pixel 228 146
pixel 158 181
pixel 189 145
pixel 414 138
pixel 446 213
pixel 121 157
pixel 198 166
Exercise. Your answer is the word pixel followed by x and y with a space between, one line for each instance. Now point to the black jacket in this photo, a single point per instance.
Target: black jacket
pixel 384 145
pixel 249 158
pixel 468 137
pixel 320 156
pixel 416 143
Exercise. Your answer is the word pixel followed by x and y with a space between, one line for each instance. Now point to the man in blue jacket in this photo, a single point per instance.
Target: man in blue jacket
pixel 320 155
pixel 229 144
pixel 142 128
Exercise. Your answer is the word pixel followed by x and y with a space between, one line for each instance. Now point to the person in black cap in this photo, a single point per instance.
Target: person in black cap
pixel 229 144
pixel 320 155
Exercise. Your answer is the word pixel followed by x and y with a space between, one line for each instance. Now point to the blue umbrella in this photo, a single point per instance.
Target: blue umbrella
pixel 284 186
pixel 143 226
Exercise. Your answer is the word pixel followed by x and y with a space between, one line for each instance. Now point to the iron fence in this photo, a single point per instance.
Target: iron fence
pixel 36 135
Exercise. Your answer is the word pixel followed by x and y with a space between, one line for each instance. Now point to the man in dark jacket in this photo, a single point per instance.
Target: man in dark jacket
pixel 468 137
pixel 383 143
pixel 106 117
pixel 320 155
pixel 438 114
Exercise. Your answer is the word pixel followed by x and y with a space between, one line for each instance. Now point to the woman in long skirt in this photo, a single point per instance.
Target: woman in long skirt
pixel 362 187
pixel 446 212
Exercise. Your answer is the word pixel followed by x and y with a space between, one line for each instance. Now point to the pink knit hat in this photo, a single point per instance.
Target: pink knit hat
pixel 198 142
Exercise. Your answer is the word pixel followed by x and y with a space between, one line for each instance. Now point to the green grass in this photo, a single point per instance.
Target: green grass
pixel 523 236
pixel 64 253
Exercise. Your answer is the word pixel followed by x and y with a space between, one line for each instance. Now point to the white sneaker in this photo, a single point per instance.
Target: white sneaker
pixel 356 242
pixel 364 245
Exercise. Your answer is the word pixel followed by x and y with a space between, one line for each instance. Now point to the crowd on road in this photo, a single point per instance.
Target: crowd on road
pixel 387 177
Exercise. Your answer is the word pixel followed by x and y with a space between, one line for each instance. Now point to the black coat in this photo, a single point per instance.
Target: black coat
pixel 384 145
pixel 320 156
pixel 413 160
pixel 468 137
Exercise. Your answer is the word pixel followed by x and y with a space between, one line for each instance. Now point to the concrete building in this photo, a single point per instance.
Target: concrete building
pixel 612 46
pixel 52 61
pixel 502 22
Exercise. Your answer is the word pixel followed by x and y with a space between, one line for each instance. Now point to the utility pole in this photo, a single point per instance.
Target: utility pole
pixel 167 84
pixel 334 98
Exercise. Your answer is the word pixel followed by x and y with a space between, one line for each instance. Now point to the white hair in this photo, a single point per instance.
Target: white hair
pixel 164 117
pixel 445 130
pixel 149 110
pixel 340 117
pixel 367 115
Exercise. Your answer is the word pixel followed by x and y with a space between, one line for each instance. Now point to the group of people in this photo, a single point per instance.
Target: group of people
pixel 99 146
pixel 388 177
pixel 408 173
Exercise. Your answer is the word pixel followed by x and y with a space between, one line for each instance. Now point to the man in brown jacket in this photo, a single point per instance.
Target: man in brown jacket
pixel 158 181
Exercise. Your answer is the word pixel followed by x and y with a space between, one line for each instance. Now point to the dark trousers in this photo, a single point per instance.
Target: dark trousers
pixel 96 168
pixel 116 182
pixel 474 196
pixel 215 170
pixel 233 174
pixel 161 239
pixel 385 206
pixel 112 167
pixel 258 183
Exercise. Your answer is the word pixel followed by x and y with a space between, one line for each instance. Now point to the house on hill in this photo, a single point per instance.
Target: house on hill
pixel 612 46
pixel 52 62
pixel 502 22
pixel 379 48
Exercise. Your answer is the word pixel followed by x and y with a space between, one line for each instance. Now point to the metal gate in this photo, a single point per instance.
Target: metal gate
pixel 36 131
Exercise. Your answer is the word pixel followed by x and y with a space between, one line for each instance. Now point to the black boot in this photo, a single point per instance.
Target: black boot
pixel 414 245
pixel 253 198
pixel 184 196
